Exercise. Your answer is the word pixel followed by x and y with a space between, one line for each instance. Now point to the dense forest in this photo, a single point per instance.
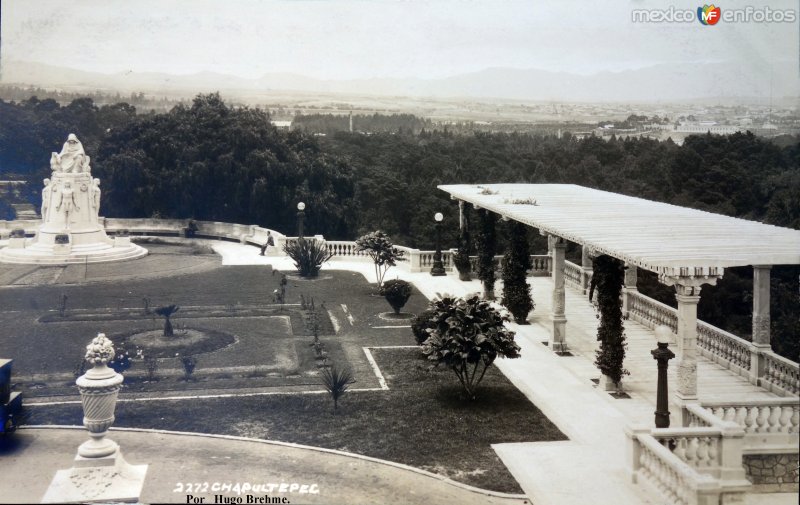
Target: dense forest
pixel 211 161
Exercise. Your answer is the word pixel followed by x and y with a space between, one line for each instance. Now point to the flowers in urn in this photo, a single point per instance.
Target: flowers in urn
pixel 100 351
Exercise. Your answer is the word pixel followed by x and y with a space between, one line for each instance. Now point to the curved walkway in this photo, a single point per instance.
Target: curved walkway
pixel 177 460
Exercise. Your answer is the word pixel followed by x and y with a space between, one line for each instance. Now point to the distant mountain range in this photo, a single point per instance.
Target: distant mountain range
pixel 656 83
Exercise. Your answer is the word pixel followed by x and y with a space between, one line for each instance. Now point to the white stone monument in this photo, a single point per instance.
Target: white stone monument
pixel 71 230
pixel 99 473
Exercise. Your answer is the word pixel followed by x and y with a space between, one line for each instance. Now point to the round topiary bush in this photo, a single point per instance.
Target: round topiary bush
pixel 397 292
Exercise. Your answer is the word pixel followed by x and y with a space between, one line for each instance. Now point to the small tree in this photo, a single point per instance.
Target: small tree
pixel 468 335
pixel 308 255
pixel 384 254
pixel 397 293
pixel 516 263
pixel 608 276
pixel 485 242
pixel 337 382
pixel 167 312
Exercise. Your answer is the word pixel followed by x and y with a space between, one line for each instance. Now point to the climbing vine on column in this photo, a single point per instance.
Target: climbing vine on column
pixel 461 258
pixel 516 263
pixel 485 243
pixel 608 278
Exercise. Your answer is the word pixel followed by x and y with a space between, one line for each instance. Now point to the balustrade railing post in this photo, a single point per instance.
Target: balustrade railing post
pixel 414 260
pixel 631 274
pixel 586 269
pixel 730 453
pixel 634 448
pixel 757 363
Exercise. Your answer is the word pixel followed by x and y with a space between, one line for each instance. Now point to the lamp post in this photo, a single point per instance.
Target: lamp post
pixel 662 354
pixel 438 266
pixel 301 215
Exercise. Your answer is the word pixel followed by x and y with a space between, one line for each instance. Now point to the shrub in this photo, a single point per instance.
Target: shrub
pixel 516 263
pixel 121 362
pixel 608 275
pixel 421 324
pixel 384 254
pixel 397 293
pixel 468 335
pixel 308 255
pixel 337 382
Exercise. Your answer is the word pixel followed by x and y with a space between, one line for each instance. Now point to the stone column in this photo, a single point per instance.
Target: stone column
pixel 631 273
pixel 688 298
pixel 558 337
pixel 586 268
pixel 461 214
pixel 761 321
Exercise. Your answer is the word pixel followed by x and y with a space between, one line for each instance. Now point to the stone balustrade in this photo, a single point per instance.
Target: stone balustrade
pixel 661 472
pixel 695 416
pixel 542 265
pixel 652 313
pixel 698 447
pixel 778 415
pixel 573 275
pixel 346 249
pixel 725 348
pixel 781 375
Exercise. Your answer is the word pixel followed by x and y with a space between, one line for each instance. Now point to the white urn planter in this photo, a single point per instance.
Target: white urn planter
pixel 99 388
pixel 99 472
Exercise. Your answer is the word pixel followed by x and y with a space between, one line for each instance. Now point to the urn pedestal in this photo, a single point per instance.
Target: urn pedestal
pixel 99 472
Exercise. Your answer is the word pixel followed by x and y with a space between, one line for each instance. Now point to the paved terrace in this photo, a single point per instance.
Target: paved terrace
pixel 590 467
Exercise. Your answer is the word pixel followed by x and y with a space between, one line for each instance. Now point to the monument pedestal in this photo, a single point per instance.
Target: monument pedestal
pixel 107 479
pixel 71 231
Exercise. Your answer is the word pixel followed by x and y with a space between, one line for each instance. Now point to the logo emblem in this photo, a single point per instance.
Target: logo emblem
pixel 708 14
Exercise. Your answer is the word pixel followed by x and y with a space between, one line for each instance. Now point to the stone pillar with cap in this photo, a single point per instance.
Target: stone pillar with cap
pixel 558 337
pixel 761 321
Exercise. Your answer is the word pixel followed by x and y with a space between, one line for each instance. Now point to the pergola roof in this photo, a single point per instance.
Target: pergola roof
pixel 660 237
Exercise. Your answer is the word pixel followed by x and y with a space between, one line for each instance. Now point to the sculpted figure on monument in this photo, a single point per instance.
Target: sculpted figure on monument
pixel 46 191
pixel 67 201
pixel 71 159
pixel 95 199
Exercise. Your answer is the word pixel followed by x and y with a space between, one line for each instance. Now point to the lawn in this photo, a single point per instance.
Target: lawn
pixel 421 420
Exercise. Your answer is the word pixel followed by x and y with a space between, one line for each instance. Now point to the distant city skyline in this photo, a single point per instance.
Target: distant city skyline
pixel 393 39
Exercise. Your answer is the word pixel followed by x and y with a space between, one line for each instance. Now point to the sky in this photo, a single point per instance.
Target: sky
pixel 349 39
